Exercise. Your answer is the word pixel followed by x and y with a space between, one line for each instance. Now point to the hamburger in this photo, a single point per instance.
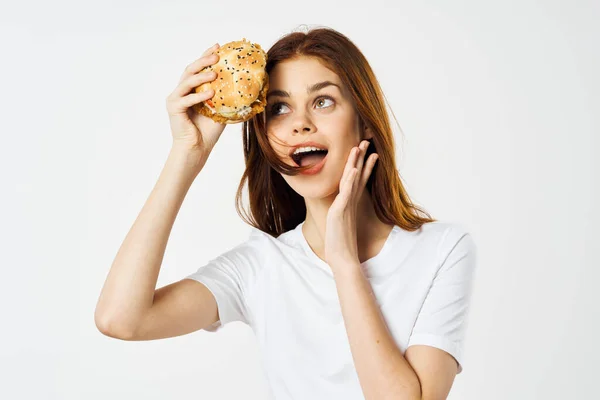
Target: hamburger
pixel 240 86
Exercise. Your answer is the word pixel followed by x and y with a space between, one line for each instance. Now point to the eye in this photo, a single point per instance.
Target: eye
pixel 273 109
pixel 320 100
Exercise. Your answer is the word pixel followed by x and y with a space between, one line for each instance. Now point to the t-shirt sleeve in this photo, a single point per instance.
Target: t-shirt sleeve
pixel 442 321
pixel 230 277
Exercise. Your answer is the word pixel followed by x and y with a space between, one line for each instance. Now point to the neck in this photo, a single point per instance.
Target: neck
pixel 371 232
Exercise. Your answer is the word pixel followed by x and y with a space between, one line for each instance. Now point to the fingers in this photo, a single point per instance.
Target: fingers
pixel 361 157
pixel 370 164
pixel 357 181
pixel 357 153
pixel 207 58
pixel 195 98
pixel 365 167
pixel 181 104
pixel 193 81
pixel 347 185
pixel 181 98
pixel 349 166
pixel 211 49
pixel 357 170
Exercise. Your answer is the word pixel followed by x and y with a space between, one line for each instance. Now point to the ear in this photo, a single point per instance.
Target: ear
pixel 367 133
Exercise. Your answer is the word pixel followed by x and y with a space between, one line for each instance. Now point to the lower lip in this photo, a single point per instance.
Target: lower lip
pixel 318 167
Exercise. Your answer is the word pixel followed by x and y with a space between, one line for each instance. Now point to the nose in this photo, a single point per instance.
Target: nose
pixel 302 124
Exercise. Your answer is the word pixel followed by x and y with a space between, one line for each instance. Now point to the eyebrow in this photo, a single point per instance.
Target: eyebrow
pixel 309 90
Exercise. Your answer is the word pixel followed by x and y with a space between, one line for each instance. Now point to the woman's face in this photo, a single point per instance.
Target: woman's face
pixel 297 112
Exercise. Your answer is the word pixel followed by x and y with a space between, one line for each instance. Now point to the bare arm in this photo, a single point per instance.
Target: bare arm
pixel 178 309
pixel 128 304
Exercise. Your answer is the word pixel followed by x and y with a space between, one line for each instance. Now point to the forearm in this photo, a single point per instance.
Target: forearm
pixel 382 370
pixel 129 287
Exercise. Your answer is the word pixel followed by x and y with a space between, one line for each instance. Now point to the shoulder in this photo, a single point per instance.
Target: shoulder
pixel 258 248
pixel 250 249
pixel 448 237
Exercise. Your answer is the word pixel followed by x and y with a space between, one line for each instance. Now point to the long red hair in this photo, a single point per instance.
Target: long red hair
pixel 275 207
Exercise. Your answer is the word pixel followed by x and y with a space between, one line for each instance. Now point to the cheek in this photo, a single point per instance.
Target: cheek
pixel 337 162
pixel 340 126
pixel 277 144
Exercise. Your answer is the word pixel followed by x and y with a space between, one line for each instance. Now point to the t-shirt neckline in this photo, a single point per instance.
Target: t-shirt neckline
pixel 370 266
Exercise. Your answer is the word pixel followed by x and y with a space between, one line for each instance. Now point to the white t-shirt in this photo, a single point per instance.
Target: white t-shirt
pixel 278 286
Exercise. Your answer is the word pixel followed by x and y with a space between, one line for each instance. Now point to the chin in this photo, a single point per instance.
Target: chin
pixel 324 184
pixel 313 190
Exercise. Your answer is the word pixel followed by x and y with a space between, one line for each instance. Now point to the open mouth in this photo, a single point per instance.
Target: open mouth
pixel 312 157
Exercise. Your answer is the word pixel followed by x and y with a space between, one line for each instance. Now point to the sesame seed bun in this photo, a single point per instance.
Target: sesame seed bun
pixel 240 86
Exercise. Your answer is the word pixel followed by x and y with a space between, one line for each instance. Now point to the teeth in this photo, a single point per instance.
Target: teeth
pixel 306 149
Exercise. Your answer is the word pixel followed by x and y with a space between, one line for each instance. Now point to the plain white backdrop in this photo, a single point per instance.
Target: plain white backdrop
pixel 498 105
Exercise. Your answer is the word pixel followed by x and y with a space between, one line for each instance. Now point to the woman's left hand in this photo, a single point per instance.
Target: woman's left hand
pixel 341 247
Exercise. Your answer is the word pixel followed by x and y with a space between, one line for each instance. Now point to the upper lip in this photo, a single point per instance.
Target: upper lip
pixel 307 144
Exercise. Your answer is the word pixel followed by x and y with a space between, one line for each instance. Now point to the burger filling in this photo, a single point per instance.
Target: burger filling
pixel 245 110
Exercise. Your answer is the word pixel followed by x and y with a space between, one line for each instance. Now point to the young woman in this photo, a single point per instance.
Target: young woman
pixel 351 289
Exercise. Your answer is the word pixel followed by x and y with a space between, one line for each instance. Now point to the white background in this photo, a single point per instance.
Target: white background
pixel 498 103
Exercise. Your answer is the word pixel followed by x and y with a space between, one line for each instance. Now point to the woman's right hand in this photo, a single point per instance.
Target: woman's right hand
pixel 188 127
